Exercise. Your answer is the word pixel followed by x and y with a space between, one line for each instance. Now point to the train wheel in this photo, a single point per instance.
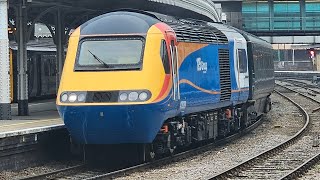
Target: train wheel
pixel 268 105
pixel 147 153
pixel 244 119
pixel 170 146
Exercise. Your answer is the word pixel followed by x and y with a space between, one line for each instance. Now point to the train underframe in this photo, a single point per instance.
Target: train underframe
pixel 181 132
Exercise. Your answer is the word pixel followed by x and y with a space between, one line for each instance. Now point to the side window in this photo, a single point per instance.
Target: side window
pixel 174 57
pixel 243 63
pixel 165 57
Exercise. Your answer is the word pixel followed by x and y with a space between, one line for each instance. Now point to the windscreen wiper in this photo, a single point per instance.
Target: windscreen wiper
pixel 98 59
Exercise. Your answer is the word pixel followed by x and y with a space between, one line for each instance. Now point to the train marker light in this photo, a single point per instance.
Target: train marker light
pixel 133 96
pixel 143 96
pixel 81 97
pixel 64 97
pixel 123 96
pixel 72 97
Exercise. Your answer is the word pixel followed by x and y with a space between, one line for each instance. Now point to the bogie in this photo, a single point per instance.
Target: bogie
pixel 199 128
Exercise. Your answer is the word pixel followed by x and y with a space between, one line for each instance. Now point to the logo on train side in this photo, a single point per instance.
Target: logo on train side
pixel 202 66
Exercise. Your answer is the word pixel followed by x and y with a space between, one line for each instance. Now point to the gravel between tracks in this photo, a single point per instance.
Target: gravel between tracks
pixel 49 167
pixel 281 123
pixel 313 174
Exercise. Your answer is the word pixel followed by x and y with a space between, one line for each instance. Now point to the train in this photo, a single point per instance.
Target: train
pixel 162 82
pixel 41 69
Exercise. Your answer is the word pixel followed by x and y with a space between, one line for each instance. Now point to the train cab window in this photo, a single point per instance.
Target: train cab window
pixel 165 57
pixel 110 54
pixel 243 62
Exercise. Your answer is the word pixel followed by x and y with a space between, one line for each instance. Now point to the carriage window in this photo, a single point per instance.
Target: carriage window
pixel 243 63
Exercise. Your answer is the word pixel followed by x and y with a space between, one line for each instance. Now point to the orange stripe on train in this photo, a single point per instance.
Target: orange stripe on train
pixel 167 85
pixel 185 81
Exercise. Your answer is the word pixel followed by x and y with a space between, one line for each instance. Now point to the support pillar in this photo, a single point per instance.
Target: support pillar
pixel 271 14
pixel 317 57
pixel 302 14
pixel 5 107
pixel 59 41
pixel 293 56
pixel 23 109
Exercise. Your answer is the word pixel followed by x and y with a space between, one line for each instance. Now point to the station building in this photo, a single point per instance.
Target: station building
pixel 291 26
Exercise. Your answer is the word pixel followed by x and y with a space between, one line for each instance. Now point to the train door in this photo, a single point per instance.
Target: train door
pixel 174 65
pixel 242 68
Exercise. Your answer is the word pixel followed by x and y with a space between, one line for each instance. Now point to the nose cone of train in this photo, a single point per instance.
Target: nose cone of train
pixel 112 124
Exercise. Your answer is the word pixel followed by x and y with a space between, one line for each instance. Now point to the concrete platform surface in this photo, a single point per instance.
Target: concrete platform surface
pixel 39 106
pixel 43 117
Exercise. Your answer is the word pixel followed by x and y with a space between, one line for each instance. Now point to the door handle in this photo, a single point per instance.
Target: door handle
pixel 246 76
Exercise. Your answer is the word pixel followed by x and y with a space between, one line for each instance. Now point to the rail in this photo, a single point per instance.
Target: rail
pixel 232 171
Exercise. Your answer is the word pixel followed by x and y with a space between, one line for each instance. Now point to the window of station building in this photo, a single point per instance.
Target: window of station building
pixel 242 57
pixel 312 18
pixel 256 15
pixel 287 15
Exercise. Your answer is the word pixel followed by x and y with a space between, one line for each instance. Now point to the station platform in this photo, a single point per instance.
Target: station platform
pixel 27 141
pixel 43 117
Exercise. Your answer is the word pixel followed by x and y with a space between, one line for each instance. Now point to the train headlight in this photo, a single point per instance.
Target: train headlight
pixel 123 96
pixel 81 97
pixel 133 96
pixel 64 97
pixel 143 96
pixel 72 97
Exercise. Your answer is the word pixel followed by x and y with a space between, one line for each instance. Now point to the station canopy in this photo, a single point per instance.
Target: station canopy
pixel 76 12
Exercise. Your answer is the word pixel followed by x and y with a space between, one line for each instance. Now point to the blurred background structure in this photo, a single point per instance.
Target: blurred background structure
pixel 291 26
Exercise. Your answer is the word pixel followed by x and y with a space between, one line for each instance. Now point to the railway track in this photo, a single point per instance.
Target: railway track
pixel 57 173
pixel 84 172
pixel 311 88
pixel 271 164
pixel 290 159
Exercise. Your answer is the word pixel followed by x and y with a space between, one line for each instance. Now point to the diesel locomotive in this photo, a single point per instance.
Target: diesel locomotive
pixel 136 77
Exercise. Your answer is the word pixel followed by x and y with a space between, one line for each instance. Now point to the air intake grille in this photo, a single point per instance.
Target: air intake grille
pixel 102 97
pixel 188 31
pixel 224 65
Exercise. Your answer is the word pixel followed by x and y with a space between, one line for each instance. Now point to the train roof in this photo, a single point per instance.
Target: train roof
pixel 135 21
pixel 253 39
pixel 42 45
pixel 249 37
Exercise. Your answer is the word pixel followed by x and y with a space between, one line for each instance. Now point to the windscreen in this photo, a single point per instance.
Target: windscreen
pixel 110 54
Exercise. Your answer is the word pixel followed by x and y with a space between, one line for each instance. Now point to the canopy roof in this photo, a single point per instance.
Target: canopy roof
pixel 78 11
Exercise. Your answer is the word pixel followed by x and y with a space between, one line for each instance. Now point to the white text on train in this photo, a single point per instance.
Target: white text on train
pixel 202 66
